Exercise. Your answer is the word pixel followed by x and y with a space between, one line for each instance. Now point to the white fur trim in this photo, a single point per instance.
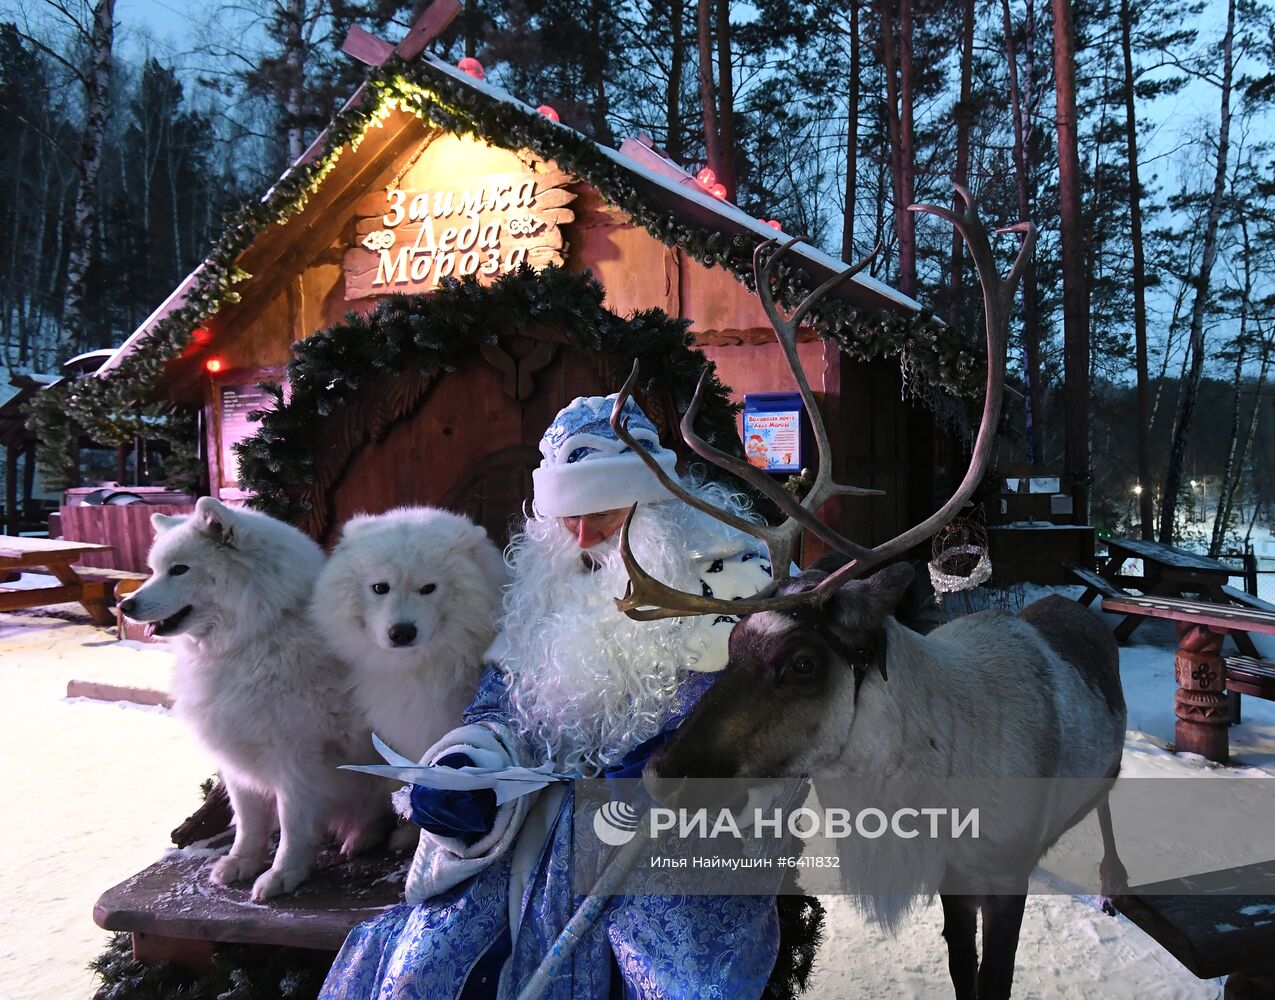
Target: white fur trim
pixel 593 485
pixel 442 862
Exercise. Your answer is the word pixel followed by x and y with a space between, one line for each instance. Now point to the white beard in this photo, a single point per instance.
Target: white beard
pixel 584 678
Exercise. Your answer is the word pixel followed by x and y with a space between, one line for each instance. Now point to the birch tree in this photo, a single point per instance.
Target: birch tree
pixel 1195 345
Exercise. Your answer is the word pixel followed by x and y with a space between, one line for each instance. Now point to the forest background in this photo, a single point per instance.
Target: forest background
pixel 1136 134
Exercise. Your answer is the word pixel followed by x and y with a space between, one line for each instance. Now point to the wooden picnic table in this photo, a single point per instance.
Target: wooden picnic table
pixel 1201 706
pixel 1167 572
pixel 56 556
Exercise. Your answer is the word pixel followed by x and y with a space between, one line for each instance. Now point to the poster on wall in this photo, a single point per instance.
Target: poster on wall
pixel 772 431
pixel 237 401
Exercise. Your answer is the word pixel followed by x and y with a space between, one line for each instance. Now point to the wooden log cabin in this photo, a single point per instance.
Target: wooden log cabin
pixel 431 174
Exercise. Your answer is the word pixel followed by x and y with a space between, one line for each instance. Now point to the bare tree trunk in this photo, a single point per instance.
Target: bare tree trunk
pixel 1031 316
pixel 894 126
pixel 961 174
pixel 852 139
pixel 673 97
pixel 97 85
pixel 1075 313
pixel 707 91
pixel 1146 506
pixel 294 60
pixel 725 101
pixel 597 74
pixel 1191 388
pixel 907 154
pixel 1237 450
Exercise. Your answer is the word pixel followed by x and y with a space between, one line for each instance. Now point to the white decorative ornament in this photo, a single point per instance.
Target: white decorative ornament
pixel 380 239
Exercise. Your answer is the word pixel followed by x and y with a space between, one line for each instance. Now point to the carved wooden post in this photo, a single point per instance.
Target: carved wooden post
pixel 1200 700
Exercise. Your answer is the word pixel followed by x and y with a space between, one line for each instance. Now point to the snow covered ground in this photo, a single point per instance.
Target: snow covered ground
pixel 91 790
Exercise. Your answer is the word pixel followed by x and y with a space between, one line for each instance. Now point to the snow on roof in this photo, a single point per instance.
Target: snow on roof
pixel 176 299
pixel 729 216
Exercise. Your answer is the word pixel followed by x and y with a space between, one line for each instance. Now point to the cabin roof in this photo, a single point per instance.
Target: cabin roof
pixel 661 185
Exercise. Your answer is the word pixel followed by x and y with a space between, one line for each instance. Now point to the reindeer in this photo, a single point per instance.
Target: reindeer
pixel 823 681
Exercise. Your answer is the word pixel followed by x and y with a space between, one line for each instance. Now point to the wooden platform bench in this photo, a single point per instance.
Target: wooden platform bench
pixel 1095 585
pixel 1214 925
pixel 175 913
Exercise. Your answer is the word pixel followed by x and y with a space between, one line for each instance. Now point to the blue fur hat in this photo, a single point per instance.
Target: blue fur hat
pixel 586 469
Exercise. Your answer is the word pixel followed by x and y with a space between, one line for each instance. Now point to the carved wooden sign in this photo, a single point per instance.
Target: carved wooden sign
pixel 408 241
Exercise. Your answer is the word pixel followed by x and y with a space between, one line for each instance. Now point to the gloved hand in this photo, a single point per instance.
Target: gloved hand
pixel 465 815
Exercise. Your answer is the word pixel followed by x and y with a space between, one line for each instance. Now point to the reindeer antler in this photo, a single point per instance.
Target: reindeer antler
pixel 648 598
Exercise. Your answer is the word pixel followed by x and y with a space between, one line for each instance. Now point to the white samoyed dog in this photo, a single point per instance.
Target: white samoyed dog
pixel 409 600
pixel 270 702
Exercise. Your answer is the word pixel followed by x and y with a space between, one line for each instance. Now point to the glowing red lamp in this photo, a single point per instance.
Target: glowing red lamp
pixel 472 67
pixel 213 365
pixel 548 112
pixel 201 335
pixel 774 224
pixel 718 191
pixel 707 177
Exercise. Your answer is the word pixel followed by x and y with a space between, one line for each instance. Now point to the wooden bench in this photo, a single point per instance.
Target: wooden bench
pixel 121 583
pixel 1249 675
pixel 175 913
pixel 1247 599
pixel 1214 925
pixel 1095 585
pixel 22 553
pixel 1201 702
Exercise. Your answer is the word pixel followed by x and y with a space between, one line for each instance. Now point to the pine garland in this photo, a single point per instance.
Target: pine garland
pixel 110 409
pixel 238 972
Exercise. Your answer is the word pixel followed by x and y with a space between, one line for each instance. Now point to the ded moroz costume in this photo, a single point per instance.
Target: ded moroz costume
pixel 573 682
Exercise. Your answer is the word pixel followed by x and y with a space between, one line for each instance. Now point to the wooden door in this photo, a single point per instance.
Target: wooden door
pixel 469 441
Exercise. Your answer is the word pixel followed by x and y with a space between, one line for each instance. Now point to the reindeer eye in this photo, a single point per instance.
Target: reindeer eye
pixel 178 570
pixel 380 588
pixel 804 665
pixel 429 588
pixel 864 653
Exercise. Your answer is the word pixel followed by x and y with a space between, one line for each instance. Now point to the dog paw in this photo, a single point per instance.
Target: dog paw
pixel 405 838
pixel 276 882
pixel 236 868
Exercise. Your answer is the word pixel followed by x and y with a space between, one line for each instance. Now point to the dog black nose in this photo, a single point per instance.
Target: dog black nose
pixel 401 633
pixel 126 606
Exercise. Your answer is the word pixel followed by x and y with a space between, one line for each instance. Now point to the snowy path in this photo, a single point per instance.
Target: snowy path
pixel 92 790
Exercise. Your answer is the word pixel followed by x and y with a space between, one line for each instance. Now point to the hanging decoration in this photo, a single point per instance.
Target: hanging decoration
pixel 959 556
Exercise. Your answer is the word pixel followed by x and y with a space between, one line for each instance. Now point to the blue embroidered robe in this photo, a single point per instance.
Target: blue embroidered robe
pixel 452 946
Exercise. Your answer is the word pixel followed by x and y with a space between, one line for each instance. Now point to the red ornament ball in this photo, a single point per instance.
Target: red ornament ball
pixel 774 224
pixel 471 66
pixel 718 191
pixel 707 177
pixel 548 112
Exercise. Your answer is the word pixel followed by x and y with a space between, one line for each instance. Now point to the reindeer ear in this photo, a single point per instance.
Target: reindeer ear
pixel 864 605
pixel 890 584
